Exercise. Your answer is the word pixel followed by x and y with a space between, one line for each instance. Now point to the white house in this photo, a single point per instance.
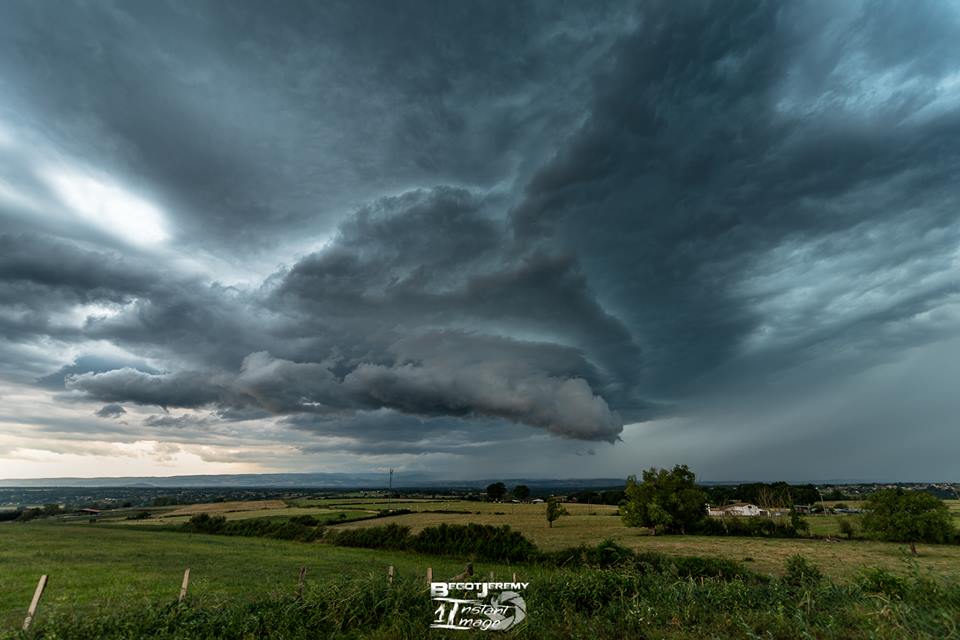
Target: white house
pixel 735 509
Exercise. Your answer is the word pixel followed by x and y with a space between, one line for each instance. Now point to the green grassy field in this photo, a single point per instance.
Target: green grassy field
pixel 331 515
pixel 95 568
pixel 117 563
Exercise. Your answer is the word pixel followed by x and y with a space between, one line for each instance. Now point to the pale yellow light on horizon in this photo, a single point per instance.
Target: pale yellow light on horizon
pixel 141 458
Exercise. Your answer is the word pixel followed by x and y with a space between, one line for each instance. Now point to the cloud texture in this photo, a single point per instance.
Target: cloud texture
pixel 499 222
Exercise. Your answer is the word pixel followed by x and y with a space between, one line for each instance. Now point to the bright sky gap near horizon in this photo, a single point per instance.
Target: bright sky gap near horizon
pixel 480 239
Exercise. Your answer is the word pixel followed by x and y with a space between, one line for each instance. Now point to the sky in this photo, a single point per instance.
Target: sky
pixel 480 239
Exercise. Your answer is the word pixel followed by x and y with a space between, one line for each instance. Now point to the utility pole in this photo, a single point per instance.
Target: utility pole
pixel 390 486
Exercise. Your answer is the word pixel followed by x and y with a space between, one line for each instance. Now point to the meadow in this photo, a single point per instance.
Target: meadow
pixel 119 565
pixel 95 569
pixel 589 524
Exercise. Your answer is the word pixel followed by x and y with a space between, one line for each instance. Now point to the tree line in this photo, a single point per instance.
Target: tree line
pixel 669 501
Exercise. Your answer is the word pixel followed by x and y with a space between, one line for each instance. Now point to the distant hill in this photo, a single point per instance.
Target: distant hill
pixel 310 480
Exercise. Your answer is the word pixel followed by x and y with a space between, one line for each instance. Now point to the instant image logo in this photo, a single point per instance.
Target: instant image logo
pixel 489 606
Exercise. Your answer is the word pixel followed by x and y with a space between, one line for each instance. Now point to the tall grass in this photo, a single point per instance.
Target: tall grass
pixel 614 602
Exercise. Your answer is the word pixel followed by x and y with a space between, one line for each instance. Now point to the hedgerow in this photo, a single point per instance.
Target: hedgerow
pixel 302 528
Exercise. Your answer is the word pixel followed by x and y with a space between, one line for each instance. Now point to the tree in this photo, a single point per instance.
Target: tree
pixel 667 501
pixel 496 491
pixel 847 528
pixel 908 516
pixel 521 492
pixel 799 524
pixel 554 510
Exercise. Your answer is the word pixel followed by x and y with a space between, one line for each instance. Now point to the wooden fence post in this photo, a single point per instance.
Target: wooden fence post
pixel 186 583
pixel 469 569
pixel 429 575
pixel 32 611
pixel 491 576
pixel 514 576
pixel 302 574
pixel 390 574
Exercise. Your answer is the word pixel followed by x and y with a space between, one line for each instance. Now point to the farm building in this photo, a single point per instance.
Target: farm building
pixel 736 509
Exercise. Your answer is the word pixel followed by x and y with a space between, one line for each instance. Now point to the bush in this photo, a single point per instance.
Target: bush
pixel 610 555
pixel 293 529
pixel 801 573
pixel 848 528
pixel 205 523
pixel 391 536
pixel 479 541
pixel 756 527
pixel 877 580
pixel 908 516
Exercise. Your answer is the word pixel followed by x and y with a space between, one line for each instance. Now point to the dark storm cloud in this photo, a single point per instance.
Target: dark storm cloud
pixel 725 132
pixel 40 277
pixel 186 389
pixel 176 422
pixel 110 411
pixel 88 364
pixel 386 432
pixel 317 107
pixel 506 220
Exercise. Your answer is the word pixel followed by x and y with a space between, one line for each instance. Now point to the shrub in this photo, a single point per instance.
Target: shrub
pixel 908 516
pixel 391 536
pixel 482 542
pixel 9 514
pixel 801 573
pixel 205 523
pixel 876 580
pixel 757 527
pixel 847 528
pixel 292 529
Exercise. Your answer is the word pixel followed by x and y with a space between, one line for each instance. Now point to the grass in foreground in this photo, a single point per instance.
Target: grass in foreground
pixel 95 570
pixel 589 603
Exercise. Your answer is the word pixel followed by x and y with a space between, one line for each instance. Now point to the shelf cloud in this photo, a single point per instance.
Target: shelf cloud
pixel 456 226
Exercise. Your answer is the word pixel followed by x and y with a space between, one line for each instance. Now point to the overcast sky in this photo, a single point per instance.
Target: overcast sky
pixel 480 238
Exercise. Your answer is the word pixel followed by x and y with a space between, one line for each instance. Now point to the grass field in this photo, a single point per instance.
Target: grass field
pixel 331 515
pixel 589 524
pixel 95 568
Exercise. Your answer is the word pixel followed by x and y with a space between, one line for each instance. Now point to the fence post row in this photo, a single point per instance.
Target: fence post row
pixel 36 601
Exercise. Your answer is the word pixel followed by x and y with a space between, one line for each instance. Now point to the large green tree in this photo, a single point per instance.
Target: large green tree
pixel 667 501
pixel 554 510
pixel 521 492
pixel 496 491
pixel 908 516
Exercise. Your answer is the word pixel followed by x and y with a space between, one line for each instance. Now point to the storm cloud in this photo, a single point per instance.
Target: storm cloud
pixel 359 231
